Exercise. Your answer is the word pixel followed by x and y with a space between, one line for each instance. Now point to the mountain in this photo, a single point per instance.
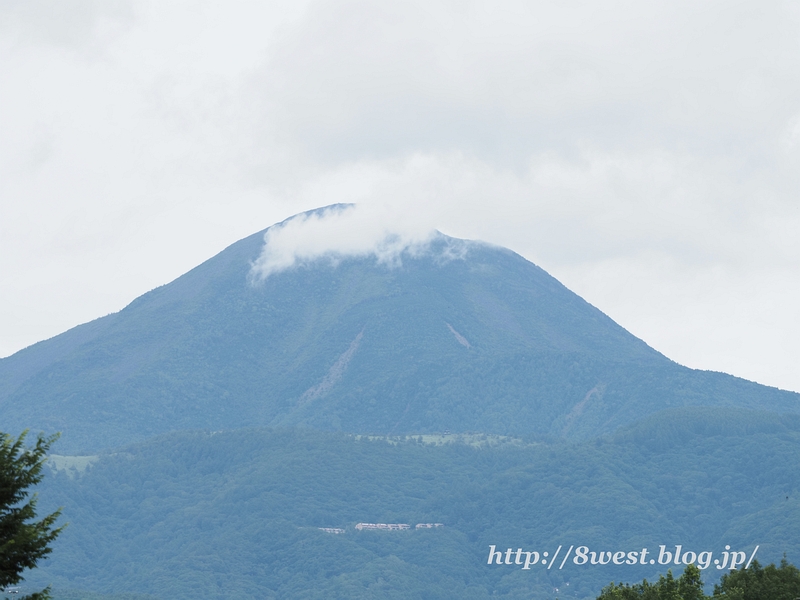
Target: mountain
pixel 236 514
pixel 463 337
pixel 212 427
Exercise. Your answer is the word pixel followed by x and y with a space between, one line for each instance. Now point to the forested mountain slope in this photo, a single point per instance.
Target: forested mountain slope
pixel 461 337
pixel 236 514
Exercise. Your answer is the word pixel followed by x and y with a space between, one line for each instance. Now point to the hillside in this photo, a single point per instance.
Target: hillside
pixel 236 513
pixel 463 337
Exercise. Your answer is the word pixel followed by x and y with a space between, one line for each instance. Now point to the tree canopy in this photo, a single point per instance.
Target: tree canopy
pixel 761 583
pixel 23 539
pixel 688 586
pixel 754 583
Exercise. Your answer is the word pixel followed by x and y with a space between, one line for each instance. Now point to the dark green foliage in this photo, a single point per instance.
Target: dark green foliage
pixel 359 347
pixel 24 541
pixel 754 583
pixel 761 583
pixel 688 586
pixel 235 513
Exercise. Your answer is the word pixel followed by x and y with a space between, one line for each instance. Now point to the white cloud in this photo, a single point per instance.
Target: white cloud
pixel 366 80
pixel 73 25
pixel 339 232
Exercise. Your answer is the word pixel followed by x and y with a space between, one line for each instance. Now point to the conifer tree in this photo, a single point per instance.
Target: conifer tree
pixel 23 539
pixel 687 587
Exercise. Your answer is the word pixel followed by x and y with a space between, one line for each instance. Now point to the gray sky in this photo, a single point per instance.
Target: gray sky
pixel 647 154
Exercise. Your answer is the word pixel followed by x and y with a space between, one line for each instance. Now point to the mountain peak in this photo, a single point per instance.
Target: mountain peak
pixel 449 335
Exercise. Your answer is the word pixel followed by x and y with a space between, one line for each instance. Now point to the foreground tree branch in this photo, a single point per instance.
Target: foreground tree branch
pixel 23 539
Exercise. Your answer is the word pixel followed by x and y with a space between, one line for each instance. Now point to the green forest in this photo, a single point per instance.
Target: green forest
pixel 238 513
pixel 213 351
pixel 754 583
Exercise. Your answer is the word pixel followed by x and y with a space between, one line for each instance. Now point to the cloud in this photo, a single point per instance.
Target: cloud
pixel 615 144
pixel 357 79
pixel 69 24
pixel 337 232
pixel 589 207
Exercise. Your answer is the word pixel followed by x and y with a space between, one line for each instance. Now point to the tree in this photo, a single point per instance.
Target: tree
pixel 23 539
pixel 687 587
pixel 754 583
pixel 760 583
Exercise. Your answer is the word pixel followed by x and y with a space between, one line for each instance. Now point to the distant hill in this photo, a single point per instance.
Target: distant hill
pixel 235 514
pixel 464 337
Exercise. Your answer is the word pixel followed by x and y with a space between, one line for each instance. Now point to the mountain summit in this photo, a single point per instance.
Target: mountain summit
pixel 450 335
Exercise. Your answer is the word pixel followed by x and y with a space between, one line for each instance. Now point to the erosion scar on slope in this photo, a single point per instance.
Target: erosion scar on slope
pixel 333 375
pixel 578 408
pixel 459 338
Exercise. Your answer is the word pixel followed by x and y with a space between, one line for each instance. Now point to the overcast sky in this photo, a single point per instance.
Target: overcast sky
pixel 647 154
